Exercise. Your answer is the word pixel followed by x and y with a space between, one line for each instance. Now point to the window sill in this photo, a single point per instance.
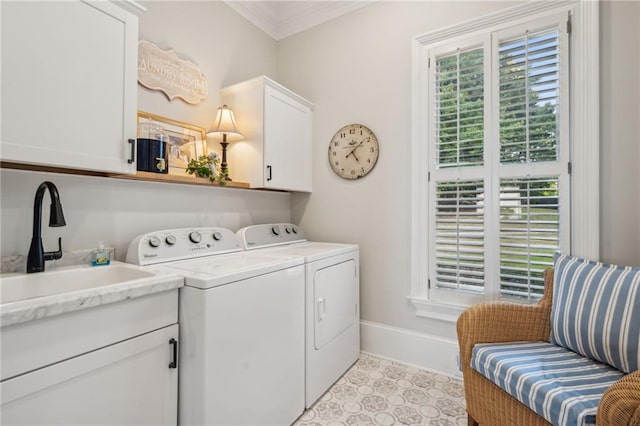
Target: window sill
pixel 426 308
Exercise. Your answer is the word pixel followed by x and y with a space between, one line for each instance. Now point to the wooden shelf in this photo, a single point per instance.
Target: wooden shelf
pixel 144 176
pixel 187 180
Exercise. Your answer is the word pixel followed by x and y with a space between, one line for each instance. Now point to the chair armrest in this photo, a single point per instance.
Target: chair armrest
pixel 620 404
pixel 495 322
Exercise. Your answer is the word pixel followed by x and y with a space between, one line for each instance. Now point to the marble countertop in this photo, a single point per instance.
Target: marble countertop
pixel 41 307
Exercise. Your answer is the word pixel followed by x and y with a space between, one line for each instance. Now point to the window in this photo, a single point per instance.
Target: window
pixel 493 139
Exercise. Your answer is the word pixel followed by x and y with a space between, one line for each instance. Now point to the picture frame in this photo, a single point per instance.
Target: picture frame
pixel 185 141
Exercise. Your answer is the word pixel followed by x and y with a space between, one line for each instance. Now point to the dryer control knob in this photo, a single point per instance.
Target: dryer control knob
pixel 294 230
pixel 170 239
pixel 154 242
pixel 287 230
pixel 275 230
pixel 195 237
pixel 217 236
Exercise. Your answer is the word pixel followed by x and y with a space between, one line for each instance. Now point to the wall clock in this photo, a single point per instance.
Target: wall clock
pixel 353 151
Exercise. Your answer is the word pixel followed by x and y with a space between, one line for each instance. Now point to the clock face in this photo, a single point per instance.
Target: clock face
pixel 353 151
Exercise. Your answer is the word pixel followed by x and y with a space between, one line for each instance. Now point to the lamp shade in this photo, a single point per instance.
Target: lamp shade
pixel 225 124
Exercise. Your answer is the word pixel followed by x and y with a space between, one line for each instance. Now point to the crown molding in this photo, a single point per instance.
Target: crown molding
pixel 281 19
pixel 306 15
pixel 263 15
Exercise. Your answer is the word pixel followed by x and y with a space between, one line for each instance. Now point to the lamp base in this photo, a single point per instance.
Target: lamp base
pixel 224 167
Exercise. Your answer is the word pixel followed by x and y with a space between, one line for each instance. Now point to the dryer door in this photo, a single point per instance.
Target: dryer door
pixel 335 300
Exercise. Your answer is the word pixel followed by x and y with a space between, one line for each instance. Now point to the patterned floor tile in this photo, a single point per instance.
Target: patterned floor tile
pixel 378 392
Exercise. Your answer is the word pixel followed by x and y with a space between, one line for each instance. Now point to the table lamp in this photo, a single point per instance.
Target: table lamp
pixel 225 125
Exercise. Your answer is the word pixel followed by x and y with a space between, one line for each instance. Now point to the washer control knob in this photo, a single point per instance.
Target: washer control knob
pixel 217 236
pixel 294 230
pixel 170 239
pixel 195 237
pixel 287 230
pixel 275 230
pixel 154 242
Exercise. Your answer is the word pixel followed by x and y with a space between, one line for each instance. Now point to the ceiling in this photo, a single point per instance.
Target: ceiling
pixel 281 19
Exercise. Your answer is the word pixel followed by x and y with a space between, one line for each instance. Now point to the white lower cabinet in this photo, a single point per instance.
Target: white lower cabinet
pixel 127 383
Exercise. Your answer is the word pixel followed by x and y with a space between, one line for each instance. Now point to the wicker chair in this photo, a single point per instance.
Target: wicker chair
pixel 494 322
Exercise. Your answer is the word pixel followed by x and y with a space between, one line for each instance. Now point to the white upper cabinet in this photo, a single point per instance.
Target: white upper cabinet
pixel 277 127
pixel 69 84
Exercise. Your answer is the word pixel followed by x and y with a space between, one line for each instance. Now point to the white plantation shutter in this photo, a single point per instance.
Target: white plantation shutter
pixel 460 235
pixel 498 162
pixel 529 93
pixel 459 79
pixel 533 189
pixel 459 108
pixel 529 234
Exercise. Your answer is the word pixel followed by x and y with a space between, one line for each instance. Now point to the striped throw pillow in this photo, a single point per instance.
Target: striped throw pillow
pixel 596 311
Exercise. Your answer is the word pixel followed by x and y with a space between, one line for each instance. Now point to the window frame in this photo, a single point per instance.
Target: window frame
pixel 583 16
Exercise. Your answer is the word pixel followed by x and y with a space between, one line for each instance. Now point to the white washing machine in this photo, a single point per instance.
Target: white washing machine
pixel 332 293
pixel 241 349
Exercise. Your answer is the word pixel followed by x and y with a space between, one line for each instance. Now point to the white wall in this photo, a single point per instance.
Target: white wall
pixel 620 131
pixel 357 69
pixel 115 211
pixel 227 48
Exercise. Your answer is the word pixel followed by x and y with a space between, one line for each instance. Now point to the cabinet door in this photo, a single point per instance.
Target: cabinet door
pixel 287 142
pixel 129 383
pixel 69 94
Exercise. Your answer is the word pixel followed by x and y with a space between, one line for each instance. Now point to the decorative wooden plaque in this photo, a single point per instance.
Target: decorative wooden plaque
pixel 163 70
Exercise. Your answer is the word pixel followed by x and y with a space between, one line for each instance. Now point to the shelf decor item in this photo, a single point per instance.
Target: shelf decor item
pixel 207 166
pixel 185 142
pixel 177 78
pixel 225 126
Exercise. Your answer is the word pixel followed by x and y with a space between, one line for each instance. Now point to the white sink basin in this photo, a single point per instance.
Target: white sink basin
pixel 19 287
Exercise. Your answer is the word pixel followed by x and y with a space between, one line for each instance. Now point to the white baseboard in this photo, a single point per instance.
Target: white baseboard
pixel 433 353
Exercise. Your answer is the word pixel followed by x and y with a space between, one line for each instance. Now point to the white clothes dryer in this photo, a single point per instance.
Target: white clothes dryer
pixel 241 321
pixel 332 292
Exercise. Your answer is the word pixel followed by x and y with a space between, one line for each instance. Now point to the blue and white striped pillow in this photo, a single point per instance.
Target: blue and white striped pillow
pixel 596 311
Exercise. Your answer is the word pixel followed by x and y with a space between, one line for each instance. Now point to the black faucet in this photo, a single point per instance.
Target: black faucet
pixel 37 255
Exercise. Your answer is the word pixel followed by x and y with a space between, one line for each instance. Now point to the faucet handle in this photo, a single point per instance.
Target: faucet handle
pixel 54 255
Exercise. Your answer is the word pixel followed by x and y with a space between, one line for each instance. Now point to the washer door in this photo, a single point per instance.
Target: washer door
pixel 336 307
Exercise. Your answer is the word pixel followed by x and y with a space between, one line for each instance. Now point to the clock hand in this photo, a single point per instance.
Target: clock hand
pixel 359 145
pixel 354 154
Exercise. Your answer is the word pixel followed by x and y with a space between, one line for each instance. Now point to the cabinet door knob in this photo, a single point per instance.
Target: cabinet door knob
pixel 174 361
pixel 269 176
pixel 132 158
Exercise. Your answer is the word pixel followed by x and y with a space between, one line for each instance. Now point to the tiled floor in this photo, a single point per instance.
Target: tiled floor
pixel 376 391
